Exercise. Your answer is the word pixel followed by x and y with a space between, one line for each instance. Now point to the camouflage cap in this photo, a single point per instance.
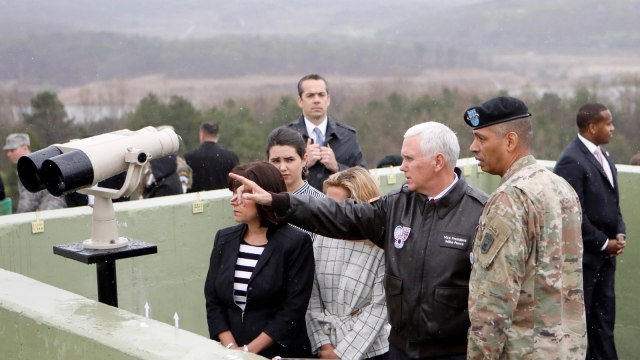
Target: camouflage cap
pixel 16 140
pixel 496 111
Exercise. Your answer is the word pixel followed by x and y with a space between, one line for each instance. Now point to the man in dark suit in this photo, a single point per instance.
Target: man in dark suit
pixel 592 173
pixel 331 146
pixel 210 163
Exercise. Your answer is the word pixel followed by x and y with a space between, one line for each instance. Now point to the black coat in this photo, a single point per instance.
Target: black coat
pixel 166 179
pixel 2 195
pixel 277 295
pixel 427 273
pixel 210 165
pixel 342 139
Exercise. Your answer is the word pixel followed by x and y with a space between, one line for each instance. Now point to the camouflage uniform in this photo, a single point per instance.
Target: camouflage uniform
pixel 41 200
pixel 526 296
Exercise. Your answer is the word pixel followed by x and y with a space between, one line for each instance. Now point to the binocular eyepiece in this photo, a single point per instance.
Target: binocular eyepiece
pixel 83 163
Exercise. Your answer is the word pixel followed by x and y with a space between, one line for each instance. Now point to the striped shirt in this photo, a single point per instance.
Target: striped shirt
pixel 247 260
pixel 307 189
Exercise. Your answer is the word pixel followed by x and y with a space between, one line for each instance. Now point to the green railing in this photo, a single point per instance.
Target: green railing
pixel 172 280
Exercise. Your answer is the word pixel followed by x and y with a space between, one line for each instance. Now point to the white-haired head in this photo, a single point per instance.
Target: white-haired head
pixel 437 138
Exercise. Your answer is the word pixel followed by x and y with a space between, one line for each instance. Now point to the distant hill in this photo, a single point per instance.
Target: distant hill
pixel 64 59
pixel 71 42
pixel 541 25
pixel 208 18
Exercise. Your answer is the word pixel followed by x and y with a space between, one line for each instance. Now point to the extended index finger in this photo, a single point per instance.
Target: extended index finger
pixel 243 180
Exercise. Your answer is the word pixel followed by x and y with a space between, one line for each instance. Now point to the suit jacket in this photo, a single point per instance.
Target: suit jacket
pixel 277 295
pixel 342 139
pixel 601 216
pixel 210 165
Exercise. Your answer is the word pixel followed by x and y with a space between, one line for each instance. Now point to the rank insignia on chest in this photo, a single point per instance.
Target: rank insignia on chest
pixel 400 235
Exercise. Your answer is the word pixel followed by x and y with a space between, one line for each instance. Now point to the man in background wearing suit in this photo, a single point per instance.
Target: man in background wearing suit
pixel 331 146
pixel 592 173
pixel 210 163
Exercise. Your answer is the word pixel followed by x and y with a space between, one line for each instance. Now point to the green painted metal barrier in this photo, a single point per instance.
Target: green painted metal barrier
pixel 39 321
pixel 172 280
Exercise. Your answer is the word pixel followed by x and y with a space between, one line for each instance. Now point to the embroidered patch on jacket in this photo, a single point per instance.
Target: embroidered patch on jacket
pixel 454 241
pixel 400 235
pixel 487 241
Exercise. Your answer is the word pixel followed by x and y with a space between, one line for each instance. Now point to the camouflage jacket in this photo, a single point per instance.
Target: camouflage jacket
pixel 41 200
pixel 526 296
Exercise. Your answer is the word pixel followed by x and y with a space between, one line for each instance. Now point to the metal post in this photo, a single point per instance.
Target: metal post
pixel 107 284
pixel 105 260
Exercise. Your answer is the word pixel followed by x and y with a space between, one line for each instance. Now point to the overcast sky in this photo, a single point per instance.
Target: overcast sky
pixel 205 18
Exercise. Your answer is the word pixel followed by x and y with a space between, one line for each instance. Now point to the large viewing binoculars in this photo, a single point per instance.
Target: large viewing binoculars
pixel 78 164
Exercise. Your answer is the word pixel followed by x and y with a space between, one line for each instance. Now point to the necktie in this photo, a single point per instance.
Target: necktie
pixel 605 164
pixel 318 138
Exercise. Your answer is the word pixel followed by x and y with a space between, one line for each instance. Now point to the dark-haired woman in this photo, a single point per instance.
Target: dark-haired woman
pixel 286 150
pixel 260 276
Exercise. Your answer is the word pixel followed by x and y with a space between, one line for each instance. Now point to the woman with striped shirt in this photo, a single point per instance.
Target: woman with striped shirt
pixel 260 276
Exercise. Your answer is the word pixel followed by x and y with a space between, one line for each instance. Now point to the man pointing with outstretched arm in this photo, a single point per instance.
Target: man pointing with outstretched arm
pixel 426 229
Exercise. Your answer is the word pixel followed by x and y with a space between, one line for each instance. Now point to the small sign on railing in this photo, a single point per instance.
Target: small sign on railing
pixel 198 205
pixel 37 226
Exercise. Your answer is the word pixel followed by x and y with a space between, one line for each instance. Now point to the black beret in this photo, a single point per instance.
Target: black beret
pixel 390 160
pixel 496 111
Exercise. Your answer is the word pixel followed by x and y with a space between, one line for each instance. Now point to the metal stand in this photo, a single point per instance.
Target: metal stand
pixel 105 261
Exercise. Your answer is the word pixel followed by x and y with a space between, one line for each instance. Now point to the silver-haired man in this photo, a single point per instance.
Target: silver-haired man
pixel 426 229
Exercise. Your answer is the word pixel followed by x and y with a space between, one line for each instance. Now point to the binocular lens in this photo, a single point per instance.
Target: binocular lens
pixel 67 172
pixel 29 168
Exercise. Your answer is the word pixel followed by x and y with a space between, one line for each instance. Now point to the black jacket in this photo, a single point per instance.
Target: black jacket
pixel 210 165
pixel 166 180
pixel 2 195
pixel 342 139
pixel 278 291
pixel 427 274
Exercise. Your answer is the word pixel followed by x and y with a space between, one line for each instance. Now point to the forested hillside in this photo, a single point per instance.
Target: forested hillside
pixel 77 58
pixel 539 26
pixel 75 42
pixel 380 121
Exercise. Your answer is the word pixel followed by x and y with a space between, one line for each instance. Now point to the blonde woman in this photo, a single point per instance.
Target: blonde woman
pixel 347 316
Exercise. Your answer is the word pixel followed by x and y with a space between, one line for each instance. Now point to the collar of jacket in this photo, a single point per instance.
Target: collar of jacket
pixel 448 202
pixel 519 165
pixel 592 159
pixel 272 242
pixel 330 133
pixel 209 144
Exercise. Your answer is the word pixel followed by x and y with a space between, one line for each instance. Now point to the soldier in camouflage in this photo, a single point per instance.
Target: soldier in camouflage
pixel 526 297
pixel 18 145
